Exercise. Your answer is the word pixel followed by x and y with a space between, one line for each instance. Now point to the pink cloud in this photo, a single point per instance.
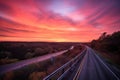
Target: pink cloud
pixel 34 20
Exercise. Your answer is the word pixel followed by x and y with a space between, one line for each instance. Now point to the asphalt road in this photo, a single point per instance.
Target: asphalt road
pixel 90 67
pixel 18 65
pixel 93 67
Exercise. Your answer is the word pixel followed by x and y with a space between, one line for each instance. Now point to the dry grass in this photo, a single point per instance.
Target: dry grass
pixel 36 76
pixel 38 71
pixel 9 76
pixel 111 58
pixel 7 61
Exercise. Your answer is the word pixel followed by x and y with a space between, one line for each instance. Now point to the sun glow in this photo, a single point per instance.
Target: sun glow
pixel 57 20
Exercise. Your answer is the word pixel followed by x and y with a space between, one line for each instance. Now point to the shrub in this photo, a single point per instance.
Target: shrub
pixel 8 76
pixel 36 76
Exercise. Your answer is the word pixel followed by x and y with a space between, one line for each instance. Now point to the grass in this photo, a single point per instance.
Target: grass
pixel 38 71
pixel 109 58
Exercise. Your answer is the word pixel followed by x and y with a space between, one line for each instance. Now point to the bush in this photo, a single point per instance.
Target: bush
pixel 29 55
pixel 7 61
pixel 8 76
pixel 36 76
pixel 108 43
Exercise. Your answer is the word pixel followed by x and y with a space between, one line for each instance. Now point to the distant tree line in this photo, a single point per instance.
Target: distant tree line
pixel 15 51
pixel 108 43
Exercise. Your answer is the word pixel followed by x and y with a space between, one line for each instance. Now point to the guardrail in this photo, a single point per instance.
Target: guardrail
pixel 62 71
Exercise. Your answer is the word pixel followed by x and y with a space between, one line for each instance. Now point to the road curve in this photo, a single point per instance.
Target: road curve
pixel 93 67
pixel 17 65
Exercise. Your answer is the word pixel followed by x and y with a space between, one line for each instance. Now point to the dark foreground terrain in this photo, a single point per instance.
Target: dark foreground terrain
pixel 102 62
pixel 15 53
pixel 109 46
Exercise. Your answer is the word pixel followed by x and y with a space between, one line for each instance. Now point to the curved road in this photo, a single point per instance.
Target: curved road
pixel 89 67
pixel 18 65
pixel 93 67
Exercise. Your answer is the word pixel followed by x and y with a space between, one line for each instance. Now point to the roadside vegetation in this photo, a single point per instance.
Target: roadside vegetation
pixel 109 46
pixel 11 52
pixel 38 71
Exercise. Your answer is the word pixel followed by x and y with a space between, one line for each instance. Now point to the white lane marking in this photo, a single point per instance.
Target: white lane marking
pixel 106 65
pixel 76 77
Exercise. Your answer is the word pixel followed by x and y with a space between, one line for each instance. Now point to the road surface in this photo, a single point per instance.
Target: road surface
pixel 90 66
pixel 93 67
pixel 18 65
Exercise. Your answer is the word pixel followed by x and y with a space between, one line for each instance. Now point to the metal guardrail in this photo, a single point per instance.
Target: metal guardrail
pixel 65 73
pixel 76 77
pixel 62 71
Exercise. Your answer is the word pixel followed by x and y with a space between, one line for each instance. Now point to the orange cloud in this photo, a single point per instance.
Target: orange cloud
pixel 35 20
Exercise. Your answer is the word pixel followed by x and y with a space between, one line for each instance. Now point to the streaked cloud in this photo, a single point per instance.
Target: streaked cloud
pixel 57 20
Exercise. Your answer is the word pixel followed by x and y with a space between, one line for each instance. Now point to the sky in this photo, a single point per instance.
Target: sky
pixel 58 20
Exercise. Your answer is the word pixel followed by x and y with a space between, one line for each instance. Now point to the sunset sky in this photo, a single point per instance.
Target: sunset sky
pixel 58 20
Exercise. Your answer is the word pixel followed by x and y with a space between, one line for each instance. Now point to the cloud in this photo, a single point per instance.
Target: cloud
pixel 58 20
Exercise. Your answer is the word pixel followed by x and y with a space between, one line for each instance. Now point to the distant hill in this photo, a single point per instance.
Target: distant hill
pixel 109 44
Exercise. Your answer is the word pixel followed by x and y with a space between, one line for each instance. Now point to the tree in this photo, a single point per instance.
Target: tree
pixel 5 54
pixel 37 76
pixel 29 55
pixel 39 51
pixel 102 36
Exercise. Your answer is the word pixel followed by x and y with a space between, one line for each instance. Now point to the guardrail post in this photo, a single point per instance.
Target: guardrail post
pixel 69 66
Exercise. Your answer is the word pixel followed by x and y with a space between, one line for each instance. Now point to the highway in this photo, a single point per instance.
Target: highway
pixel 89 67
pixel 20 64
pixel 94 67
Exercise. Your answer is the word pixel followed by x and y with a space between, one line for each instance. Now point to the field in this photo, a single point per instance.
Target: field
pixel 12 52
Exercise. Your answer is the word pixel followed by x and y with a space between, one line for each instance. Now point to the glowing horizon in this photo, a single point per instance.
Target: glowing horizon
pixel 58 20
